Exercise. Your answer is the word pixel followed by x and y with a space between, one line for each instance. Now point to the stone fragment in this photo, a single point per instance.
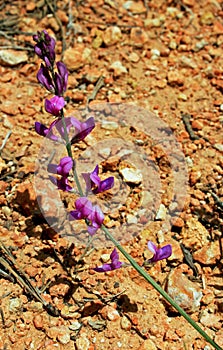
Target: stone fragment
pixel 112 35
pixel 60 333
pixel 75 326
pixel 194 234
pixel 208 254
pixel 207 18
pixel 77 57
pixel 134 57
pixel 131 219
pixel 148 345
pixel 12 58
pixel 182 97
pixel 110 313
pixel 195 175
pixel 118 68
pixel 109 125
pixel 15 305
pixel 131 175
pixel 210 320
pixel 38 322
pixel 186 294
pixel 187 62
pixel 105 258
pixel 138 37
pixel 125 323
pixel 134 6
pixel 59 289
pixel 161 213
pixel 175 78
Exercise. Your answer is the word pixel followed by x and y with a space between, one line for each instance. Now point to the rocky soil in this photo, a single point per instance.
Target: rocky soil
pixel 160 68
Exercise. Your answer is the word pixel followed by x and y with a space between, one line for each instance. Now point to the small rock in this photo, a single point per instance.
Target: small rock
pixel 60 333
pixel 131 219
pixel 131 175
pixel 187 62
pixel 6 210
pixel 172 45
pixel 134 6
pixel 82 342
pixel 69 311
pixel 118 68
pixel 148 345
pixel 182 97
pixel 105 258
pixel 186 294
pixel 38 322
pixel 197 125
pixel 109 125
pixel 138 37
pixel 75 326
pixel 219 146
pixel 125 323
pixel 210 320
pixel 175 78
pixel 133 57
pixel 104 152
pixel 207 18
pixel 194 234
pixel 77 57
pixel 12 58
pixel 208 254
pixel 110 313
pixel 200 45
pixel 194 176
pixel 60 289
pixel 112 35
pixel 161 213
pixel 15 304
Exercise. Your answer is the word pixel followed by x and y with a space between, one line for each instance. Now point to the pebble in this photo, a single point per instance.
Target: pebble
pixel 182 97
pixel 131 175
pixel 134 57
pixel 138 37
pixel 187 294
pixel 134 6
pixel 82 342
pixel 210 320
pixel 77 57
pixel 118 68
pixel 207 18
pixel 161 213
pixel 105 258
pixel 131 219
pixel 109 125
pixel 104 152
pixel 38 322
pixel 75 326
pixel 125 323
pixel 15 304
pixel 194 234
pixel 175 78
pixel 112 35
pixel 12 58
pixel 110 313
pixel 208 254
pixel 187 62
pixel 148 345
pixel 60 333
pixel 6 210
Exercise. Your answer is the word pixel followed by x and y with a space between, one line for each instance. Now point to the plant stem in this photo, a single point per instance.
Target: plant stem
pixel 159 289
pixel 69 151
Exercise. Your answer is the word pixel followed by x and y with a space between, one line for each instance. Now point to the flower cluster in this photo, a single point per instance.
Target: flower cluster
pixel 55 81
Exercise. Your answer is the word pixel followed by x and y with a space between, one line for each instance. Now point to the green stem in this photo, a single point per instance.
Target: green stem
pixel 149 279
pixel 69 151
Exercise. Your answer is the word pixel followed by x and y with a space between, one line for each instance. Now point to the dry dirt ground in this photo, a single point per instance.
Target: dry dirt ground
pixel 165 57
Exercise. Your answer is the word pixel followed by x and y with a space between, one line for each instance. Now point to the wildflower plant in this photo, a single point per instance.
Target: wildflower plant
pixel 53 76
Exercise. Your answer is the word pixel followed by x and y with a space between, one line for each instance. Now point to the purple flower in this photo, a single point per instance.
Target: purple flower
pixel 54 105
pixel 82 129
pixel 115 263
pixel 61 78
pixel 94 183
pixel 42 130
pixel 159 253
pixel 91 213
pixel 48 132
pixel 64 167
pixel 44 78
pixel 45 47
pixel 62 183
